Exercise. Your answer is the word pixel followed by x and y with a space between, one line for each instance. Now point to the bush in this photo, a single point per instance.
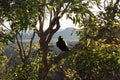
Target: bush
pixel 98 61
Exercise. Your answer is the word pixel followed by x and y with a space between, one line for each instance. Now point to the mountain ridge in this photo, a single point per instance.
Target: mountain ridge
pixel 68 33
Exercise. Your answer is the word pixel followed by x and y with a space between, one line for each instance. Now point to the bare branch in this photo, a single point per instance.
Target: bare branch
pixel 51 33
pixel 56 16
pixel 52 24
pixel 20 51
pixel 41 24
pixel 57 26
pixel 21 42
pixel 50 18
pixel 31 41
pixel 65 9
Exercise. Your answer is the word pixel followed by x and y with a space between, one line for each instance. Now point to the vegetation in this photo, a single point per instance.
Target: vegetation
pixel 95 57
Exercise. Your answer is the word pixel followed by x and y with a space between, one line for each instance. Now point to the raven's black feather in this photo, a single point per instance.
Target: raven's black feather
pixel 61 44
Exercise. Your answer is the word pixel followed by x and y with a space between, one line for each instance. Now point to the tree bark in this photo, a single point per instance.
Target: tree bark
pixel 44 47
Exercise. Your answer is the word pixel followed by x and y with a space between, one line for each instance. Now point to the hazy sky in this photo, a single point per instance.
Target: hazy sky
pixel 65 23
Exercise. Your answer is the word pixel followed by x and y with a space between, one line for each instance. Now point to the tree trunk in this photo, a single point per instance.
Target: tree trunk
pixel 43 73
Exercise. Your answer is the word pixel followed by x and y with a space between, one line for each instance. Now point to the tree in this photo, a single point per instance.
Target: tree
pixel 24 15
pixel 56 9
pixel 98 48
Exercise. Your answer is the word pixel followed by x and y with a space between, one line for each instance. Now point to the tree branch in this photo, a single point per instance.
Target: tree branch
pixel 53 30
pixel 56 16
pixel 21 42
pixel 52 24
pixel 50 17
pixel 50 31
pixel 31 41
pixel 65 9
pixel 41 24
pixel 20 51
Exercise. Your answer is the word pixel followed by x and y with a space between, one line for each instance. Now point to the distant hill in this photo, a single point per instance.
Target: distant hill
pixel 68 34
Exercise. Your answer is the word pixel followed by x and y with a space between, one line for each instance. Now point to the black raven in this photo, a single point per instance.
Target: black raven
pixel 61 44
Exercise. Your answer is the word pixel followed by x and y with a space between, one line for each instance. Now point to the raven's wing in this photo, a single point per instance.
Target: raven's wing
pixel 64 45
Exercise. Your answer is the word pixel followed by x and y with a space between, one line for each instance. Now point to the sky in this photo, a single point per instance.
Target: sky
pixel 65 23
pixel 68 23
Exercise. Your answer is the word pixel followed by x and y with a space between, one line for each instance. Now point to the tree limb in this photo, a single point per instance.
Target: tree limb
pixel 41 24
pixel 21 42
pixel 20 51
pixel 56 16
pixel 65 9
pixel 53 30
pixel 31 41
pixel 50 17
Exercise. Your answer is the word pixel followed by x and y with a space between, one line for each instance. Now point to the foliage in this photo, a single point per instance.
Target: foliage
pixel 95 57
pixel 17 71
pixel 3 61
pixel 98 48
pixel 98 61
